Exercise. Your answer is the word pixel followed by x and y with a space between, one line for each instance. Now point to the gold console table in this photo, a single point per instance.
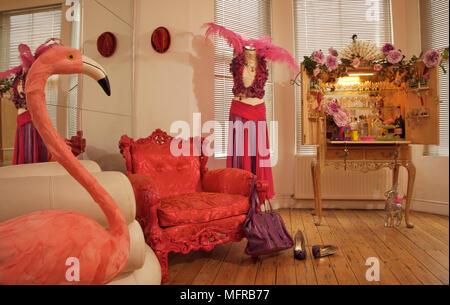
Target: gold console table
pixel 365 156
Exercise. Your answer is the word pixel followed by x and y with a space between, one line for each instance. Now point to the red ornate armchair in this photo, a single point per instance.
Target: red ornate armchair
pixel 180 205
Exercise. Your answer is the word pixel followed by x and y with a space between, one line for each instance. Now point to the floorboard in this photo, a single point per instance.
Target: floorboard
pixel 406 256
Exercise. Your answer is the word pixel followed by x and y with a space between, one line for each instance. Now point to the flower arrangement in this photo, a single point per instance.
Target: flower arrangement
pixel 325 68
pixel 338 114
pixel 389 61
pixel 6 85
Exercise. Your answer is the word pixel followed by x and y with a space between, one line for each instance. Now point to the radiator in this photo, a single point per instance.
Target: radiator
pixel 339 184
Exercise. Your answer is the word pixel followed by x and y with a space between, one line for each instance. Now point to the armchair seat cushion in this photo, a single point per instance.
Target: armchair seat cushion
pixel 200 207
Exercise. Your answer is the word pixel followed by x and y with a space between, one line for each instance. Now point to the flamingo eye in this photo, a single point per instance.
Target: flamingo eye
pixel 71 57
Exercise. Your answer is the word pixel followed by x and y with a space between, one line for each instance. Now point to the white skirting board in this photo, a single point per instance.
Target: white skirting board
pixel 428 206
pixel 283 202
pixel 350 190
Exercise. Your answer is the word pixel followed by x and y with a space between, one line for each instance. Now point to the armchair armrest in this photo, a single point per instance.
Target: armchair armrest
pixel 147 198
pixel 233 181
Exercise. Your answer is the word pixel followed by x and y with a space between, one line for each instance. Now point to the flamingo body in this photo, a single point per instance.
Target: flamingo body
pixel 34 248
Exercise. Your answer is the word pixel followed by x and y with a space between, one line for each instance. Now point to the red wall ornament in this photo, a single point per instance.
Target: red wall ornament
pixel 106 44
pixel 161 40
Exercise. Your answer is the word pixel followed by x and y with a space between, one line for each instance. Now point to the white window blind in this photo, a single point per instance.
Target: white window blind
pixel 320 24
pixel 434 28
pixel 252 19
pixel 31 27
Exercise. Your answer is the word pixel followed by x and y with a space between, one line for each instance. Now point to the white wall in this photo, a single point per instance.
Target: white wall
pixel 172 86
pixel 105 119
pixel 431 189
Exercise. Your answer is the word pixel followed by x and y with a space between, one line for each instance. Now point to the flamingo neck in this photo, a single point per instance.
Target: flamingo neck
pixel 36 102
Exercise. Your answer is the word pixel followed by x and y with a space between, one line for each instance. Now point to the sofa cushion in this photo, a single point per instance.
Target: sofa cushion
pixel 173 175
pixel 200 207
pixel 20 196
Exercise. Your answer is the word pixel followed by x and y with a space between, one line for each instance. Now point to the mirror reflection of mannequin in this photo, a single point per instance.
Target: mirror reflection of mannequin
pixel 248 148
pixel 28 145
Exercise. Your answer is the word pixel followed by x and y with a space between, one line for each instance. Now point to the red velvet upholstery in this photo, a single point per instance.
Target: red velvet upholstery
pixel 180 205
pixel 200 207
pixel 156 162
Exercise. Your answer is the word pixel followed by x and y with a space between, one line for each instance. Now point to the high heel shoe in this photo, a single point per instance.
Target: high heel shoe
pixel 299 250
pixel 321 251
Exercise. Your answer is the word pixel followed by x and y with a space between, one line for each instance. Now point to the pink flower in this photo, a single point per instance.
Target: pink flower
pixel 316 71
pixel 318 57
pixel 356 62
pixel 398 199
pixel 340 118
pixel 332 62
pixel 331 108
pixel 333 52
pixel 426 76
pixel 394 57
pixel 432 58
pixel 387 48
pixel 377 67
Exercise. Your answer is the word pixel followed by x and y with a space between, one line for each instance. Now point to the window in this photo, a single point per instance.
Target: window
pixel 320 24
pixel 251 18
pixel 32 27
pixel 434 25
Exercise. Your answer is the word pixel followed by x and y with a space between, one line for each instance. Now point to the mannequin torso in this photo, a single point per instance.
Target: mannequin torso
pixel 248 76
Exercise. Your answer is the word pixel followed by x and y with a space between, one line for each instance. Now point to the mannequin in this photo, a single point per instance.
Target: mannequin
pixel 248 140
pixel 28 146
pixel 248 76
pixel 248 147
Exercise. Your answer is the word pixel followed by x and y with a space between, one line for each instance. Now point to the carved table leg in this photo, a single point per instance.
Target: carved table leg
pixel 313 175
pixel 395 176
pixel 411 177
pixel 318 195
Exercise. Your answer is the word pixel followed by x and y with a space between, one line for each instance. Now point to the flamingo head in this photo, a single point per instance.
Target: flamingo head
pixel 67 60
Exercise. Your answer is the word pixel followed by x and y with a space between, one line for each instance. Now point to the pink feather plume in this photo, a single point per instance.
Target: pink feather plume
pixel 234 40
pixel 27 58
pixel 271 52
pixel 50 43
pixel 10 72
pixel 263 45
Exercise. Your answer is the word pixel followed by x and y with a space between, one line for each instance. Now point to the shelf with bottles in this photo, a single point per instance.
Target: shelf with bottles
pixel 374 125
pixel 418 88
pixel 366 99
pixel 347 86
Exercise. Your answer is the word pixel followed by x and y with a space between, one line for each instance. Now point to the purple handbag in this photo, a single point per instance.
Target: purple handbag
pixel 265 231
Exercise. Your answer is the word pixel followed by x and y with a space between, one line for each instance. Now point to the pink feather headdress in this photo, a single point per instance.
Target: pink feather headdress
pixel 27 58
pixel 18 74
pixel 263 45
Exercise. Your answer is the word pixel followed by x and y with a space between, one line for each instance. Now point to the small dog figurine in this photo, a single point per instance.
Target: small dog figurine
pixel 393 208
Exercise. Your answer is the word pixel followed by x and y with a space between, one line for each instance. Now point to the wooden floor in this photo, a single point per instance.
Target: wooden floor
pixel 407 256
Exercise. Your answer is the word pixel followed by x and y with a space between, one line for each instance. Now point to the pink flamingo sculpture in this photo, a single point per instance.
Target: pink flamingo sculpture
pixel 35 248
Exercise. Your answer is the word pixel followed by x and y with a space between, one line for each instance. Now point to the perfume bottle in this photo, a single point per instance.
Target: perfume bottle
pixel 399 123
pixel 363 126
pixel 377 124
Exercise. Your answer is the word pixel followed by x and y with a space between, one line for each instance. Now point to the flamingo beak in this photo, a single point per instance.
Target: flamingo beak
pixel 94 70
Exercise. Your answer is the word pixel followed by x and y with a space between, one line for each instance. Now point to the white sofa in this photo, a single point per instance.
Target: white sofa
pixel 44 186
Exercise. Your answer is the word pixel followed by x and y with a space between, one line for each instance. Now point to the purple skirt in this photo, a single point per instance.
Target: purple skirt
pixel 28 146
